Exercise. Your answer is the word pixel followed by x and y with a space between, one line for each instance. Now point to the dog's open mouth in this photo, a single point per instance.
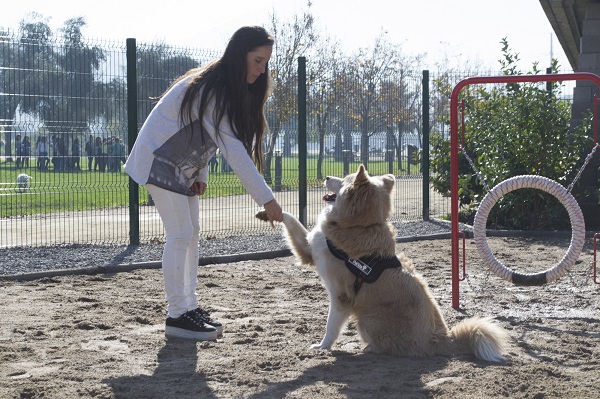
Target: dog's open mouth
pixel 329 197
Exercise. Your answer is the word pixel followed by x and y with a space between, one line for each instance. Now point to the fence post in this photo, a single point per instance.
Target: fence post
pixel 278 170
pixel 132 130
pixel 425 149
pixel 346 161
pixel 302 150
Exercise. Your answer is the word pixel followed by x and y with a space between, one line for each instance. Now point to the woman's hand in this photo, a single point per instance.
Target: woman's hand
pixel 274 212
pixel 199 188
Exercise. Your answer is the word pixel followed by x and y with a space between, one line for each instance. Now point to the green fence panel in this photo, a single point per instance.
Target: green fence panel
pixel 69 112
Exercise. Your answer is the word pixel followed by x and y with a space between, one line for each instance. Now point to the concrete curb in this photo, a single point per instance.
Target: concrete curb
pixel 216 260
pixel 128 267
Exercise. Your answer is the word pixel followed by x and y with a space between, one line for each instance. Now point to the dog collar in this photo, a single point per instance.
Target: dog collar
pixel 366 269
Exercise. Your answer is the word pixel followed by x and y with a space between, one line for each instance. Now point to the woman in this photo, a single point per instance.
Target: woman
pixel 220 107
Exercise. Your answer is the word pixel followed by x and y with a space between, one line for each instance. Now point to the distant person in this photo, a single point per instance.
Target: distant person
pixel 104 155
pixel 25 151
pixel 18 151
pixel 98 159
pixel 60 154
pixel 118 154
pixel 75 154
pixel 41 150
pixel 89 151
pixel 220 106
pixel 107 152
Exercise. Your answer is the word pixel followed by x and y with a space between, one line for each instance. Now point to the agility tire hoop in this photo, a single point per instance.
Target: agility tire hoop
pixel 565 198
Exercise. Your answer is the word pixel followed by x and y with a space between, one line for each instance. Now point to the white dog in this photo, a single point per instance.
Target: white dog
pixel 23 182
pixel 351 245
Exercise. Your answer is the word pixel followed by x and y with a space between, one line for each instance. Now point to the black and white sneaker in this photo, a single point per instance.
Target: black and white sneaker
pixel 189 326
pixel 204 317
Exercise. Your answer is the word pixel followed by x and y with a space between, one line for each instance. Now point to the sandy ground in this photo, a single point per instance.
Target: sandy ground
pixel 102 336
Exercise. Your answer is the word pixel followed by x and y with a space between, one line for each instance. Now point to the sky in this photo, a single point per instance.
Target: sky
pixel 463 31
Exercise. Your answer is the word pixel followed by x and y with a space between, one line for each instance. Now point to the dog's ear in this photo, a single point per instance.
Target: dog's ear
pixel 388 181
pixel 361 174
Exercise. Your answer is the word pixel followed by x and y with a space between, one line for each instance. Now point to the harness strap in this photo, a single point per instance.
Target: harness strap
pixel 366 269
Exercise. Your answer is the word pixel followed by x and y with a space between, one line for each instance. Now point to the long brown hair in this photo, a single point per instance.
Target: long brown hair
pixel 225 80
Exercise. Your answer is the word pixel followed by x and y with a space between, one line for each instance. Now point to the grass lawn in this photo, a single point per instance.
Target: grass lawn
pixel 76 190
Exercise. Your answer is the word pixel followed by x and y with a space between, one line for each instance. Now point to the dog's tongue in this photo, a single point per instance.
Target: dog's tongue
pixel 329 197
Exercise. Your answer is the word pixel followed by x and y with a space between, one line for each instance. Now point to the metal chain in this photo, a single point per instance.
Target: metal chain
pixel 479 176
pixel 584 281
pixel 488 189
pixel 587 160
pixel 483 285
pixel 577 177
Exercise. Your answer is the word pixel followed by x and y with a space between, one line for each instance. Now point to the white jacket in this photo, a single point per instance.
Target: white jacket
pixel 167 155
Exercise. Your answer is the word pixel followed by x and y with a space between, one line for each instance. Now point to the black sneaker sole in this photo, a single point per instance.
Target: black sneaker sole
pixel 177 332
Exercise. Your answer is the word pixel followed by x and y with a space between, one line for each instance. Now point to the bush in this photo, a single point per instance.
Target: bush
pixel 514 129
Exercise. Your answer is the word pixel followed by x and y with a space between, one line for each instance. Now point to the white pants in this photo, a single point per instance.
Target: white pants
pixel 180 215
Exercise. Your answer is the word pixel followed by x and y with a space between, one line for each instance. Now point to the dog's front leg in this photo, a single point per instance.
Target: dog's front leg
pixel 339 312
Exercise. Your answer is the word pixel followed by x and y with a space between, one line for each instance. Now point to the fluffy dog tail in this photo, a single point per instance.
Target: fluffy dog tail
pixel 295 236
pixel 482 337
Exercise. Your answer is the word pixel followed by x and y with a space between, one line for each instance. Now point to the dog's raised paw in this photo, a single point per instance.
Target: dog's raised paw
pixel 262 215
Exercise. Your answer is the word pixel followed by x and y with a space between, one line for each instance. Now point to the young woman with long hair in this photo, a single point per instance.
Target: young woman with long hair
pixel 219 106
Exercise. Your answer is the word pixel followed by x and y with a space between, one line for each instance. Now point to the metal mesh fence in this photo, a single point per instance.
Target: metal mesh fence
pixel 63 124
pixel 56 96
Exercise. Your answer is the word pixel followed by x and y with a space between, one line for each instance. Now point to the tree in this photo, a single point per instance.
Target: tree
pixel 65 110
pixel 324 92
pixel 368 97
pixel 19 76
pixel 158 65
pixel 8 101
pixel 293 39
pixel 401 109
pixel 446 77
pixel 107 101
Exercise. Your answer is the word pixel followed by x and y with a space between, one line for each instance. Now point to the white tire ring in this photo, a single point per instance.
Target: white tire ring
pixel 575 216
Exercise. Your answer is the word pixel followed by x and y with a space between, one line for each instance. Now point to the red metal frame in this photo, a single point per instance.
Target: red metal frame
pixel 596 100
pixel 454 146
pixel 595 265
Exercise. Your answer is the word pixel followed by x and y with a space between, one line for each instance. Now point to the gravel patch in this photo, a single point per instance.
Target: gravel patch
pixel 21 260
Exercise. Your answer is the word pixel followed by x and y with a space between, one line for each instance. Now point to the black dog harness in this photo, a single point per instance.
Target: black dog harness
pixel 366 269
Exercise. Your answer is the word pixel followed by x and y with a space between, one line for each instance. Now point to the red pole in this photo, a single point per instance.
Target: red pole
pixel 595 119
pixel 595 265
pixel 454 149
